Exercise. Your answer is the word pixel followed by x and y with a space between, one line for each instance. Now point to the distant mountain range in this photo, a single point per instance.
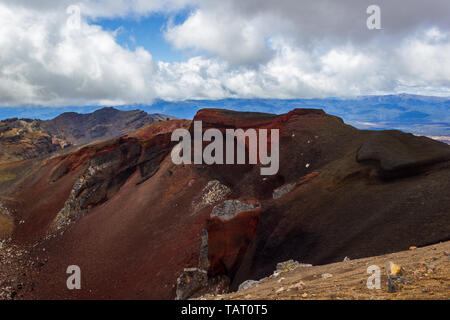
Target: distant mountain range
pixel 420 115
pixel 27 138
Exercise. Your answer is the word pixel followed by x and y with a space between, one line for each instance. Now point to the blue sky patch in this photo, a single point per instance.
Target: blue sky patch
pixel 147 32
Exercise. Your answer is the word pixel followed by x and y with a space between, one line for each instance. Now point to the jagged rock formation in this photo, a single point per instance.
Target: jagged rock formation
pixel 25 138
pixel 247 285
pixel 138 220
pixel 190 282
pixel 102 124
pixel 212 193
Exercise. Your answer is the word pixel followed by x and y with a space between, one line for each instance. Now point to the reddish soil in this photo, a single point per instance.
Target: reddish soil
pixel 135 227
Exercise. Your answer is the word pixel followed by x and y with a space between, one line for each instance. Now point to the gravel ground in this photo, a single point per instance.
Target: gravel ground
pixel 421 273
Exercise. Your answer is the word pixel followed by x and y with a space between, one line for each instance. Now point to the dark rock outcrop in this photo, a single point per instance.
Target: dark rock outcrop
pixel 398 154
pixel 190 282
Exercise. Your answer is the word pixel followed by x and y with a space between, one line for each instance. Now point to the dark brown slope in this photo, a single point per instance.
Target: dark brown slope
pixel 132 220
pixel 102 124
pixel 25 139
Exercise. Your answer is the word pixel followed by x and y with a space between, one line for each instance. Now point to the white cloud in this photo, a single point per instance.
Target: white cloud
pixel 236 40
pixel 44 61
pixel 266 49
pixel 103 8
pixel 424 59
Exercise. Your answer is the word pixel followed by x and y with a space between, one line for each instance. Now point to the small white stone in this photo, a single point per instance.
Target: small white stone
pixel 280 290
pixel 279 281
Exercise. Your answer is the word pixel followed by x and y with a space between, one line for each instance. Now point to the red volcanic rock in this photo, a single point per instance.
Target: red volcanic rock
pixel 139 219
pixel 231 227
pixel 221 118
pixel 308 177
pixel 158 128
pixel 88 177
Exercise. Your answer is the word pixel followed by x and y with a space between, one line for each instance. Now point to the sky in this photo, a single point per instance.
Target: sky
pixel 117 52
